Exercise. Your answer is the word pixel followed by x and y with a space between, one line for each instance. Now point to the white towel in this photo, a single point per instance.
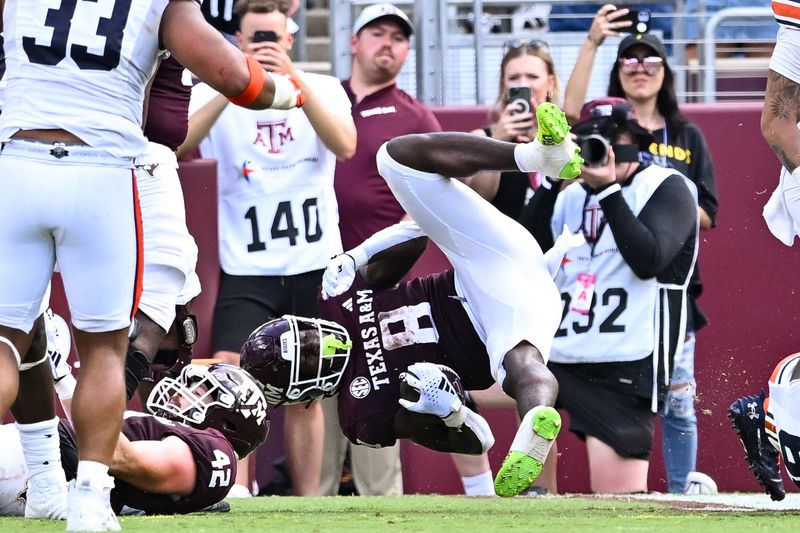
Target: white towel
pixel 782 211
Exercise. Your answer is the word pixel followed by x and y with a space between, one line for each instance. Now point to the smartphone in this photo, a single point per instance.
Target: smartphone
pixel 521 98
pixel 639 18
pixel 262 36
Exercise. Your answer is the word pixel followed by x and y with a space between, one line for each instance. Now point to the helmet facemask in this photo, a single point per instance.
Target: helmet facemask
pixel 318 352
pixel 233 403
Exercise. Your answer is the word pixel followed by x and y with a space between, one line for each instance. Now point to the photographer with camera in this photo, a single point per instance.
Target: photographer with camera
pixel 642 75
pixel 623 290
pixel 527 78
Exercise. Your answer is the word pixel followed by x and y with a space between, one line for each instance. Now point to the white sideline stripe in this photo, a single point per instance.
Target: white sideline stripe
pixel 726 501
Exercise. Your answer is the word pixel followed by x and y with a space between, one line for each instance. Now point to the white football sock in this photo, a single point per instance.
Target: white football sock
pixel 40 445
pixel 479 485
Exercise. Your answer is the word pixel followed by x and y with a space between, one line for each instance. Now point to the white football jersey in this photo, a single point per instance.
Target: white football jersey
pixel 782 422
pixel 80 66
pixel 631 317
pixel 277 209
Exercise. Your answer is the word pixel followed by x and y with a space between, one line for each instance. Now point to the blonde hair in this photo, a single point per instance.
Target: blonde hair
pixel 527 49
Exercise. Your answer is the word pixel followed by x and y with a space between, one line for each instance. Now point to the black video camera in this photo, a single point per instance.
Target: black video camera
pixel 596 134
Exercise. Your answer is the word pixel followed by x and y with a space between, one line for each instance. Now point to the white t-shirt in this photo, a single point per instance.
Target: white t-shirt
pixel 277 208
pixel 82 70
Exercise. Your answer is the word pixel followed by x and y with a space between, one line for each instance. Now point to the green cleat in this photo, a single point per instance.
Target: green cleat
pixel 553 127
pixel 554 130
pixel 524 461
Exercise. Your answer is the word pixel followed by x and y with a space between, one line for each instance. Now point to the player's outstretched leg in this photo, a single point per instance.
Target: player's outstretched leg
pixel 747 419
pixel 552 152
pixel 527 454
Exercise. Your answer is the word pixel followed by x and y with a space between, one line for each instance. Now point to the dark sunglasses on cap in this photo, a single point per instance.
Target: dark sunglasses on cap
pixel 534 44
pixel 651 64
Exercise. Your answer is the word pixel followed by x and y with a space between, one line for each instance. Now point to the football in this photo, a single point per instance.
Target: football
pixel 412 395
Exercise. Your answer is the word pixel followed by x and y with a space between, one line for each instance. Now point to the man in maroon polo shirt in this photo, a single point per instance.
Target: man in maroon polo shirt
pixel 381 111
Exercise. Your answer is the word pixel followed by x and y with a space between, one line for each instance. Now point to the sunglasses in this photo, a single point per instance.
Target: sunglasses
pixel 533 44
pixel 651 64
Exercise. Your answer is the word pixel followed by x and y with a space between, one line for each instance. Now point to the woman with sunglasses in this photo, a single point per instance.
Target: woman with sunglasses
pixel 642 75
pixel 526 64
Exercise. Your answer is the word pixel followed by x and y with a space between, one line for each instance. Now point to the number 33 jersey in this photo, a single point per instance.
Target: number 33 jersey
pixel 419 320
pixel 277 208
pixel 80 66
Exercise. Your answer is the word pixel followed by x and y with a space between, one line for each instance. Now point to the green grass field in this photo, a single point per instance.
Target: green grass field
pixel 452 514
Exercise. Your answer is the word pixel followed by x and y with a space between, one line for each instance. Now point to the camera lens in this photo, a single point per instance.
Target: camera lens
pixel 594 150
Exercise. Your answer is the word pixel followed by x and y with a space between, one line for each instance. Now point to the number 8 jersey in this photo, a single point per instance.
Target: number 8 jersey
pixel 419 320
pixel 103 51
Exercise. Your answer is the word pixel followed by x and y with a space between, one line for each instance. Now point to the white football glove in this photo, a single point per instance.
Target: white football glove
pixel 288 94
pixel 338 276
pixel 564 243
pixel 437 395
pixel 59 343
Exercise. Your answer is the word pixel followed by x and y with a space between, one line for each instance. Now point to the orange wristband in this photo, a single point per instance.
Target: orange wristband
pixel 253 89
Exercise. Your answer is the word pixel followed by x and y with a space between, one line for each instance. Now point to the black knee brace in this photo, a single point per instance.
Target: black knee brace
pixel 136 367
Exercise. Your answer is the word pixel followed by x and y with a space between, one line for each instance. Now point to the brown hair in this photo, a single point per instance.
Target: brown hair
pixel 244 7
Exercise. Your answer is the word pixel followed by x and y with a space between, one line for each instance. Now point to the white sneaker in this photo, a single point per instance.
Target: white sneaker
pixel 700 483
pixel 89 506
pixel 47 496
pixel 239 491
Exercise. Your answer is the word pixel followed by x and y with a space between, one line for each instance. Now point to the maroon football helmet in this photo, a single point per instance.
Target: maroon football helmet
pixel 297 359
pixel 219 396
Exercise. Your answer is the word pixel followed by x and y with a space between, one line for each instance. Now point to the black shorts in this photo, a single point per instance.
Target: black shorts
pixel 609 401
pixel 246 302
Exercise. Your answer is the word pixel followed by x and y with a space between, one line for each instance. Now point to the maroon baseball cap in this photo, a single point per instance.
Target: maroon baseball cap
pixel 611 113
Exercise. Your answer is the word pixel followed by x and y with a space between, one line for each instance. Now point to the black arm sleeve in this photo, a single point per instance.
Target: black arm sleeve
pixel 386 268
pixel 651 242
pixel 536 216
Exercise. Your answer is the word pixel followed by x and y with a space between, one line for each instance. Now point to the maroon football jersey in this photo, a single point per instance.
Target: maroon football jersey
pixel 419 320
pixel 213 456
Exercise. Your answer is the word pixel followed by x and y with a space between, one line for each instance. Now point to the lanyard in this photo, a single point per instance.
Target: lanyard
pixel 662 159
